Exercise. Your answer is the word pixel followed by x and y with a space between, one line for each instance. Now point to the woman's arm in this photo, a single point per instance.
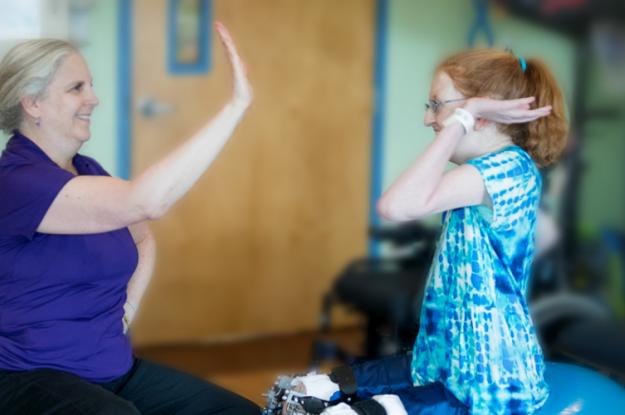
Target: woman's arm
pixel 89 204
pixel 146 247
pixel 425 188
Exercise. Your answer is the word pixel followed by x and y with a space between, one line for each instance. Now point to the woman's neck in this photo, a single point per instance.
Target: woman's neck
pixel 59 149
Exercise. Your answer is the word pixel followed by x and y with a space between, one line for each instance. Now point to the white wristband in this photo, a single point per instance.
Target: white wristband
pixel 462 116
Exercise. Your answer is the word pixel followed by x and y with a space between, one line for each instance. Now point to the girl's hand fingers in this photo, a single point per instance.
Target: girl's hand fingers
pixel 516 116
pixel 512 104
pixel 540 112
pixel 526 100
pixel 521 116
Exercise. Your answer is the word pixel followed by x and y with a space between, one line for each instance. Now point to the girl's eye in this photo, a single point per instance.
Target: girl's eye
pixel 78 87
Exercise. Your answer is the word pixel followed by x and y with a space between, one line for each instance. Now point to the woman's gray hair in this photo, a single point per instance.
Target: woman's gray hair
pixel 27 70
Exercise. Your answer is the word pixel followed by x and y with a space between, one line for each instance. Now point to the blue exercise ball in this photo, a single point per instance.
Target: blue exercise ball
pixel 577 390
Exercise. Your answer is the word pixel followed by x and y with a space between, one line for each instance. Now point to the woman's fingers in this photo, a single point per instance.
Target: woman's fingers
pixel 242 88
pixel 228 43
pixel 225 38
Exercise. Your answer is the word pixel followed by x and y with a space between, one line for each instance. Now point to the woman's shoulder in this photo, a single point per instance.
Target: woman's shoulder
pixel 14 164
pixel 21 154
pixel 89 165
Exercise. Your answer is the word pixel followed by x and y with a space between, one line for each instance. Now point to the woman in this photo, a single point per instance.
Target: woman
pixel 75 250
pixel 476 351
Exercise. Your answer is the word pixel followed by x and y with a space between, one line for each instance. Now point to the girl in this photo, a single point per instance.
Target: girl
pixel 476 351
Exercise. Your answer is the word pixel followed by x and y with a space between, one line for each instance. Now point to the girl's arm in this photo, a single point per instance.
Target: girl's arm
pixel 425 188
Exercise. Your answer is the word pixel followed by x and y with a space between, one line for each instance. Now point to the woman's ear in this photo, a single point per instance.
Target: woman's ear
pixel 30 106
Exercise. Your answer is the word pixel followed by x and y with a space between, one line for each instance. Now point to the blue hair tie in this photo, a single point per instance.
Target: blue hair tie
pixel 523 63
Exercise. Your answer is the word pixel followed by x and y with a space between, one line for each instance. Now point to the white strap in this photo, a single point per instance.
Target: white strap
pixel 392 404
pixel 340 409
pixel 317 385
pixel 462 116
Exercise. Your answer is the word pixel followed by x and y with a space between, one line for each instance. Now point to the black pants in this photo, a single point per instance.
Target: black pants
pixel 148 389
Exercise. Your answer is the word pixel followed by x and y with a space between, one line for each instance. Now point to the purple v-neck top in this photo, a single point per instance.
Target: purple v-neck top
pixel 61 296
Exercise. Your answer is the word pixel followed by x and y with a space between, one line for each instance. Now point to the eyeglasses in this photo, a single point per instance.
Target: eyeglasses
pixel 435 106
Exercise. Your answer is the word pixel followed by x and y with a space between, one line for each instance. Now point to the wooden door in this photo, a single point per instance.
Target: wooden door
pixel 259 239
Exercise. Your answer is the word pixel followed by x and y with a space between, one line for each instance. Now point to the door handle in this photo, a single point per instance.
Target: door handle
pixel 149 107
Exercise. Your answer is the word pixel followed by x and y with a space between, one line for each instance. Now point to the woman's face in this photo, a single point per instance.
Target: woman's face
pixel 66 108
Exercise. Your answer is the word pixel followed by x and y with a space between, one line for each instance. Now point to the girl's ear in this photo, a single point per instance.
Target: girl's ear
pixel 481 123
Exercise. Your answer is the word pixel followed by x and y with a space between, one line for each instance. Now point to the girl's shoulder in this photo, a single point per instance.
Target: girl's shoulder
pixel 508 162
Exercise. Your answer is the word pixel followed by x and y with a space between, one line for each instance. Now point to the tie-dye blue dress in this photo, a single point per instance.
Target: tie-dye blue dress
pixel 476 335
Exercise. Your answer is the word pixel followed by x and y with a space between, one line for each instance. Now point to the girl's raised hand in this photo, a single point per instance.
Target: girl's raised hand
pixel 511 111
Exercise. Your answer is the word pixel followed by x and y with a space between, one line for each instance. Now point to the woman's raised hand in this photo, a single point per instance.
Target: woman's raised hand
pixel 242 89
pixel 511 111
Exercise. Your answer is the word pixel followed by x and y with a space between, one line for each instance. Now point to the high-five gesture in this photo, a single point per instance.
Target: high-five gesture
pixel 92 204
pixel 242 89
